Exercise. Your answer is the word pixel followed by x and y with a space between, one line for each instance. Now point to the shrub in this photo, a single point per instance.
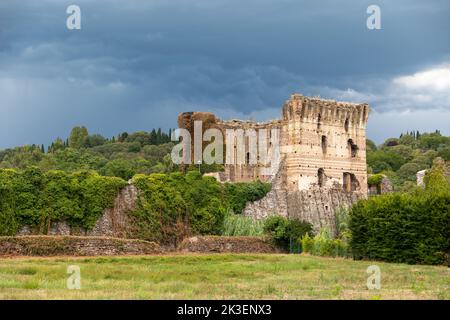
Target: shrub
pixel 342 221
pixel 375 179
pixel 283 230
pixel 409 228
pixel 324 245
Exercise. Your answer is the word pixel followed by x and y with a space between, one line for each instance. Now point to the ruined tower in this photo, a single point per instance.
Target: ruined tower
pixel 322 163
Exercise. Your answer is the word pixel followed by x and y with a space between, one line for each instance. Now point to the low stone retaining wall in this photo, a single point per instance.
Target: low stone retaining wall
pixel 106 246
pixel 74 246
pixel 211 244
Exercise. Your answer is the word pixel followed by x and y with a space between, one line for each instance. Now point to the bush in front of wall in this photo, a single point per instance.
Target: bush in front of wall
pixel 283 230
pixel 409 227
pixel 323 244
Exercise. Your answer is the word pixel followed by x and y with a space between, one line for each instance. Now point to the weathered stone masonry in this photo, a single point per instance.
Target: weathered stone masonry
pixel 323 158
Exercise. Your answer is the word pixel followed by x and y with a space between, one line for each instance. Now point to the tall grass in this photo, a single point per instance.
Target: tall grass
pixel 238 225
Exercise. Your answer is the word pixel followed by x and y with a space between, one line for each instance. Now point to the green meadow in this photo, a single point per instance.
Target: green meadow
pixel 218 276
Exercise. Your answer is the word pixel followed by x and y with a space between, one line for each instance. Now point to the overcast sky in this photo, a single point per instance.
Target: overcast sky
pixel 135 65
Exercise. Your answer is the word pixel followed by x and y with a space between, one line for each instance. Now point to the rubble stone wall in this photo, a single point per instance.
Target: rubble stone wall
pixel 74 246
pixel 218 244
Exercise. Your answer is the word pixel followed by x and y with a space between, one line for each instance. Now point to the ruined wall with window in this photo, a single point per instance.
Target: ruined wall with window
pixel 324 141
pixel 323 158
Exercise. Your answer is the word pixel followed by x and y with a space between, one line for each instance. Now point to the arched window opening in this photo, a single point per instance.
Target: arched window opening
pixel 324 144
pixel 346 125
pixel 352 147
pixel 320 177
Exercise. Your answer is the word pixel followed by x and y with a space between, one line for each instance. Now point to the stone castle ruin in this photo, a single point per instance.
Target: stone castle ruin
pixel 322 163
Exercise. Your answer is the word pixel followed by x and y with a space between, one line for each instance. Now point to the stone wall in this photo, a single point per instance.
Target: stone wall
pixel 74 246
pixel 217 244
pixel 275 201
pixel 115 221
pixel 106 246
pixel 319 207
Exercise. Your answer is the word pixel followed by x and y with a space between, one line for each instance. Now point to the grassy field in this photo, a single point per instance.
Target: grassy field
pixel 220 276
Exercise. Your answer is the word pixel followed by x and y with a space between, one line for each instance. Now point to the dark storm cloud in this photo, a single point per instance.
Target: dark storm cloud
pixel 137 64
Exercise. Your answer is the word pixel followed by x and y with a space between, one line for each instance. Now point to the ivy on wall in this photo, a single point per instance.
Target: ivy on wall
pixel 174 205
pixel 33 198
pixel 170 206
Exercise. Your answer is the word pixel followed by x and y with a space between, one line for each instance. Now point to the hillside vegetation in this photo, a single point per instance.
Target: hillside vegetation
pixel 122 156
pixel 401 158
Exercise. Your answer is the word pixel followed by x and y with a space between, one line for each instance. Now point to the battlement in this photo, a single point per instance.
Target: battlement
pixel 314 109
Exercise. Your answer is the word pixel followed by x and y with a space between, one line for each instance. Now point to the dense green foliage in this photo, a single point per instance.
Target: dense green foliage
pixel 238 225
pixel 283 231
pixel 240 193
pixel 175 205
pixel 140 152
pixel 31 197
pixel 323 244
pixel 111 159
pixel 405 227
pixel 375 179
pixel 400 159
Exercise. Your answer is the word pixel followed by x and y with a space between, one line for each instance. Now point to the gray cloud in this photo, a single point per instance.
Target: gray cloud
pixel 135 65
